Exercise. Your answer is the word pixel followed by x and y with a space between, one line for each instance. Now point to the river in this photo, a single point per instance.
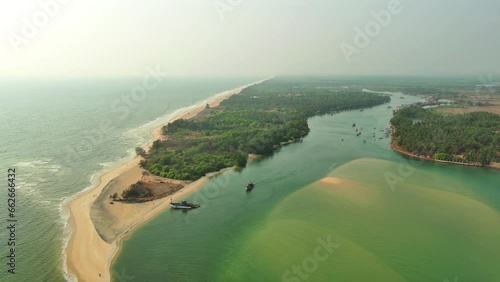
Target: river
pixel 378 216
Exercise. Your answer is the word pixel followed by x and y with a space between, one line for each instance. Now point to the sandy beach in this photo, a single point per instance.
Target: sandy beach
pixel 88 255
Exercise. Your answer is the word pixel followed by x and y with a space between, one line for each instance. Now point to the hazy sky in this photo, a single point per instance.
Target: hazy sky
pixel 233 37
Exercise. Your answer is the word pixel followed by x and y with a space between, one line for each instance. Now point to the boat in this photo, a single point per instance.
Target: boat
pixel 249 186
pixel 183 205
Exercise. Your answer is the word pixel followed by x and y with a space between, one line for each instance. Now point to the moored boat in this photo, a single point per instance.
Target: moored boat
pixel 183 205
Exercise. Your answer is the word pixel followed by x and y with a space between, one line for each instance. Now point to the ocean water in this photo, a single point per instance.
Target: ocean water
pixel 60 135
pixel 390 218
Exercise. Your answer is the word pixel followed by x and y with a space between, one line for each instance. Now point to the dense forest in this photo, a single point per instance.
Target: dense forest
pixel 471 138
pixel 255 121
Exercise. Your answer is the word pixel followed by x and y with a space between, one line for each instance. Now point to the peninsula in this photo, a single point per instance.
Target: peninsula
pixel 98 227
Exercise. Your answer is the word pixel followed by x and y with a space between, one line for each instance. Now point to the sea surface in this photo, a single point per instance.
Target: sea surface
pixel 380 217
pixel 60 135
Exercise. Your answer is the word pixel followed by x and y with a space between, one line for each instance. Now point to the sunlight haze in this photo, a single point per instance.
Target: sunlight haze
pixel 206 37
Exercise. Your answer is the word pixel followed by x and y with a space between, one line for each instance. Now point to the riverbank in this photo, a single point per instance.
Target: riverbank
pixel 404 152
pixel 88 256
pixel 425 129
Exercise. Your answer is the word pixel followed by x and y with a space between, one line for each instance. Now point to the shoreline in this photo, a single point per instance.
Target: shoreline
pixel 87 256
pixel 406 153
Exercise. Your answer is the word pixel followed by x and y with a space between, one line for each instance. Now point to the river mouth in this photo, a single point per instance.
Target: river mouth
pixel 333 184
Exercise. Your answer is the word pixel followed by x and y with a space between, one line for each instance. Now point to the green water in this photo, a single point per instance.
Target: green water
pixel 60 135
pixel 388 218
pixel 417 233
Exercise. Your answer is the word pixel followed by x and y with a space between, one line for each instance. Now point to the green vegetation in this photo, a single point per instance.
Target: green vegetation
pixel 140 152
pixel 253 122
pixel 135 191
pixel 471 138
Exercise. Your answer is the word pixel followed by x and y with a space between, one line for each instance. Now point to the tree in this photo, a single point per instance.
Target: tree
pixel 140 152
pixel 225 135
pixel 447 137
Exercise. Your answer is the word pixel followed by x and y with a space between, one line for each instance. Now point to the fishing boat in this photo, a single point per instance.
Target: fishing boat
pixel 183 205
pixel 249 186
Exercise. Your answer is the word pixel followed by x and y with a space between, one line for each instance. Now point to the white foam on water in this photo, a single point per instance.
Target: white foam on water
pixel 150 123
pixel 34 181
pixel 30 168
pixel 67 231
pixel 54 168
pixel 141 133
pixel 106 165
pixel 32 164
pixel 27 188
pixel 64 212
pixel 24 164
